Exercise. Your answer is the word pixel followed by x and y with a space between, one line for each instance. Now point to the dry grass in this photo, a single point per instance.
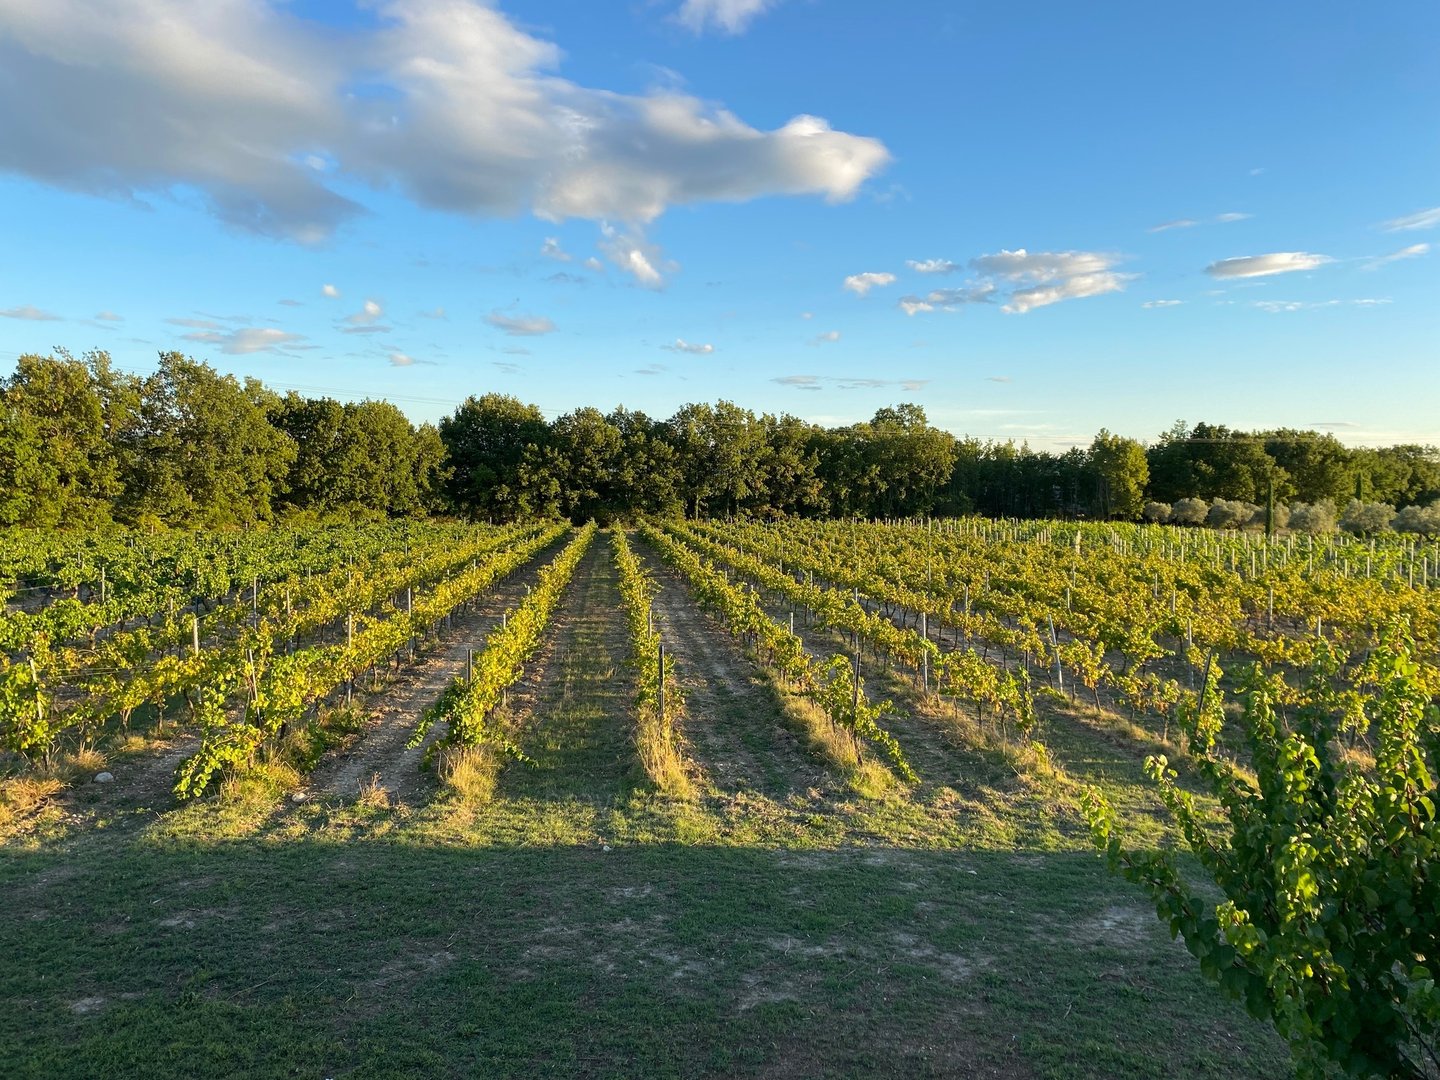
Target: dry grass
pixel 373 795
pixel 21 796
pixel 661 757
pixel 866 776
pixel 471 773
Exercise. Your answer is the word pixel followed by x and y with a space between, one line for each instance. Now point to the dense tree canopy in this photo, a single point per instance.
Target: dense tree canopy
pixel 81 443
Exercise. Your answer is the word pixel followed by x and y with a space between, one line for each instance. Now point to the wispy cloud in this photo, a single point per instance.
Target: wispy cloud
pixel 1178 223
pixel 826 338
pixel 1279 262
pixel 1233 215
pixel 400 359
pixel 1421 219
pixel 842 382
pixel 860 284
pixel 1414 251
pixel 289 303
pixel 562 277
pixel 521 325
pixel 371 312
pixel 1161 303
pixel 981 292
pixel 998 378
pixel 434 313
pixel 932 266
pixel 30 313
pixel 196 324
pixel 1049 277
pixel 681 345
pixel 374 328
pixel 727 16
pixel 1276 307
pixel 109 316
pixel 246 340
pixel 551 249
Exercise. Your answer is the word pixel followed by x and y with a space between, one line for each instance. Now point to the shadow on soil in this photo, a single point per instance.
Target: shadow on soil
pixel 380 956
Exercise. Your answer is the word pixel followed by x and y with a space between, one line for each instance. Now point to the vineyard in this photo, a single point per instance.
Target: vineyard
pixel 689 798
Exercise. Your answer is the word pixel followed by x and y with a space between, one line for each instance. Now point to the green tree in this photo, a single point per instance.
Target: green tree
pixel 486 440
pixel 1121 473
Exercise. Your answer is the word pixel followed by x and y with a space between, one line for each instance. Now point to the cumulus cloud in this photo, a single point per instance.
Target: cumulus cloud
pixel 1421 219
pixel 520 325
pixel 681 345
pixel 247 339
pixel 980 292
pixel 1161 303
pixel 932 266
pixel 551 249
pixel 1279 262
pixel 592 263
pixel 331 291
pixel 30 313
pixel 369 314
pixel 860 284
pixel 825 338
pixel 1414 251
pixel 729 16
pixel 446 101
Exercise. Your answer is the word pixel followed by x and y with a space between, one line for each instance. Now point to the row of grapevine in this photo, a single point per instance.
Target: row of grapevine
pixel 280 688
pixel 659 700
pixel 466 706
pixel 842 696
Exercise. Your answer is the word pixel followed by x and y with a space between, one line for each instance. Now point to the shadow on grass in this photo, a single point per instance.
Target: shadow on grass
pixel 390 957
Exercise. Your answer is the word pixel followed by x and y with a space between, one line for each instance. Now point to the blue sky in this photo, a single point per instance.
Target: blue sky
pixel 1033 221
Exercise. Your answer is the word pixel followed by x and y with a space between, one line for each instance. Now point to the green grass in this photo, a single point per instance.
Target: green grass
pixel 579 924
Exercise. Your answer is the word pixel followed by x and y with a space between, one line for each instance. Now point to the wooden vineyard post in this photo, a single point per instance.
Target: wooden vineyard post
pixel 660 660
pixel 924 654
pixel 194 634
pixel 469 666
pixel 349 641
pixel 410 618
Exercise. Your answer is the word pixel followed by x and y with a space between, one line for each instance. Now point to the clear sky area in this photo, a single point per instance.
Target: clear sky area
pixel 1035 221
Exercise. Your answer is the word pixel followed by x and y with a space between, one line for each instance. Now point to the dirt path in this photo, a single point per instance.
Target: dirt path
pixel 735 731
pixel 380 757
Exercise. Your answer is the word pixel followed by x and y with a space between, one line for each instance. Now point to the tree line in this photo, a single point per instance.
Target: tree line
pixel 84 444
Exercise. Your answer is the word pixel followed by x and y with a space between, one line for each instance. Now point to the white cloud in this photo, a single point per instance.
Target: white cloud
pixel 289 303
pixel 400 359
pixel 1414 251
pixel 630 252
pixel 681 345
pixel 860 284
pixel 845 382
pixel 446 101
pixel 368 315
pixel 331 291
pixel 730 16
pixel 1275 307
pixel 826 338
pixel 1051 276
pixel 932 266
pixel 1421 219
pixel 1179 223
pixel 595 264
pixel 247 339
pixel 433 313
pixel 30 313
pixel 521 325
pixel 1161 303
pixel 807 314
pixel 1071 288
pixel 196 324
pixel 1232 216
pixel 110 316
pixel 979 292
pixel 1279 262
pixel 551 249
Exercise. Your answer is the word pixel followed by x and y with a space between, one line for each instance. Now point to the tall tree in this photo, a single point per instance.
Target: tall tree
pixel 1121 473
pixel 486 440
